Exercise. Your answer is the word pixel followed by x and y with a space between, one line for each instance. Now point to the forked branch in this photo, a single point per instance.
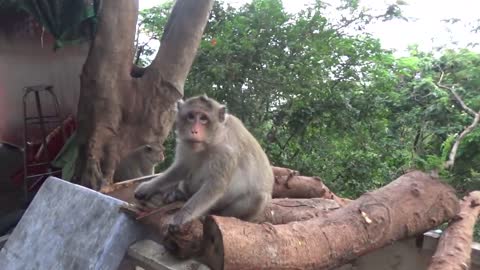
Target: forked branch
pixel 476 118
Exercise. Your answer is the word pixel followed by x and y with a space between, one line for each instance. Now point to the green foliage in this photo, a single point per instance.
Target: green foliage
pixel 332 102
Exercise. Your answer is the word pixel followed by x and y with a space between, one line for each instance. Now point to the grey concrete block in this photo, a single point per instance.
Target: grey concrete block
pixel 69 227
pixel 151 255
pixel 3 240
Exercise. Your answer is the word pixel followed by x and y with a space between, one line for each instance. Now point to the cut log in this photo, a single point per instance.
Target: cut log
pixel 454 247
pixel 412 204
pixel 290 184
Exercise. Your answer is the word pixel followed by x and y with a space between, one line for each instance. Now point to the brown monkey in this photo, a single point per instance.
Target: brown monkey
pixel 140 162
pixel 219 165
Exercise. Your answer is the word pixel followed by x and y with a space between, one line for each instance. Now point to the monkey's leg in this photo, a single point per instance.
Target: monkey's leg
pixel 200 203
pixel 246 207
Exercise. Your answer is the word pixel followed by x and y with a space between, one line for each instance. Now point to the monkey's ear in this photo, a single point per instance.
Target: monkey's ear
pixel 222 111
pixel 179 104
pixel 204 97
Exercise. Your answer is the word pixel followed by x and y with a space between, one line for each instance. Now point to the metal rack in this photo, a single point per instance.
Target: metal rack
pixel 42 121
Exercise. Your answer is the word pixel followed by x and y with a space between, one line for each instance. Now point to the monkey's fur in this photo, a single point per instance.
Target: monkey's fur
pixel 219 166
pixel 140 162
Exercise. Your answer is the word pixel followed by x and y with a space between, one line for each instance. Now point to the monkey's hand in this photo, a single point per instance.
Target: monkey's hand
pixel 174 196
pixel 177 221
pixel 145 191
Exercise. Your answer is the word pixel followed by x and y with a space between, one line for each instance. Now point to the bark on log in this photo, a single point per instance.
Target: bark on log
pixel 283 211
pixel 455 245
pixel 410 205
pixel 120 108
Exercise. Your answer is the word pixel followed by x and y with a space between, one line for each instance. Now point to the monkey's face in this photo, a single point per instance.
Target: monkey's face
pixel 154 154
pixel 199 121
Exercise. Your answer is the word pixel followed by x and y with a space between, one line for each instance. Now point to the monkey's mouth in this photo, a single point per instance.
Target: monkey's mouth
pixel 194 141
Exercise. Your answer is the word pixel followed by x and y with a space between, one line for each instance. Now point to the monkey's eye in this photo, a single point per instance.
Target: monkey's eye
pixel 203 119
pixel 190 117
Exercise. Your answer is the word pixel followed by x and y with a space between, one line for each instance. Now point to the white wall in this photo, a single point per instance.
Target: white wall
pixel 24 62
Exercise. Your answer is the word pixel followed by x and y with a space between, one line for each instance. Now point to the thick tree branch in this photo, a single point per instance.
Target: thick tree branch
pixel 179 44
pixel 454 248
pixel 110 42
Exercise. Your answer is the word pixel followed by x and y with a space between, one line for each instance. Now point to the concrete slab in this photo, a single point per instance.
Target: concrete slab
pixel 151 255
pixel 3 240
pixel 69 227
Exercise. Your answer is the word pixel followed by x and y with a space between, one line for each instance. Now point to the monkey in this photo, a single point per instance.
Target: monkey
pixel 219 166
pixel 140 162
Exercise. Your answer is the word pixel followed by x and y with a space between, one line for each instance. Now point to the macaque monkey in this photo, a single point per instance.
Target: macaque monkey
pixel 219 167
pixel 140 162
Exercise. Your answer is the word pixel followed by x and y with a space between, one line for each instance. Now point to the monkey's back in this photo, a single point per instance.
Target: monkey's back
pixel 253 164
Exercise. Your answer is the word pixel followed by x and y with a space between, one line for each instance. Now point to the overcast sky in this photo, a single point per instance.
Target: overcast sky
pixel 425 26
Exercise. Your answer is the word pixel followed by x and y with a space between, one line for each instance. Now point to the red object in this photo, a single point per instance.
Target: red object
pixel 35 152
pixel 213 41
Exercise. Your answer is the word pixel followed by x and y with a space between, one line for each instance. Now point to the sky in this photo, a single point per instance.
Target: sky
pixel 424 26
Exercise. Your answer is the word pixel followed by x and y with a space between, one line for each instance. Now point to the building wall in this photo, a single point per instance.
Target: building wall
pixel 25 62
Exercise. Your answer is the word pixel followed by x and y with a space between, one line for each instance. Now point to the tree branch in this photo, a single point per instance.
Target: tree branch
pixel 451 157
pixel 179 44
pixel 457 97
pixel 106 46
pixel 453 152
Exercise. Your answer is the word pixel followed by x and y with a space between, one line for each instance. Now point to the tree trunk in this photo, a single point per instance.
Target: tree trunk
pixel 121 106
pixel 412 204
pixel 455 245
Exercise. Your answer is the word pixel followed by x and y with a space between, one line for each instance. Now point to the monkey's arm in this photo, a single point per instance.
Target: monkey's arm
pixel 172 175
pixel 201 202
pixel 215 183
